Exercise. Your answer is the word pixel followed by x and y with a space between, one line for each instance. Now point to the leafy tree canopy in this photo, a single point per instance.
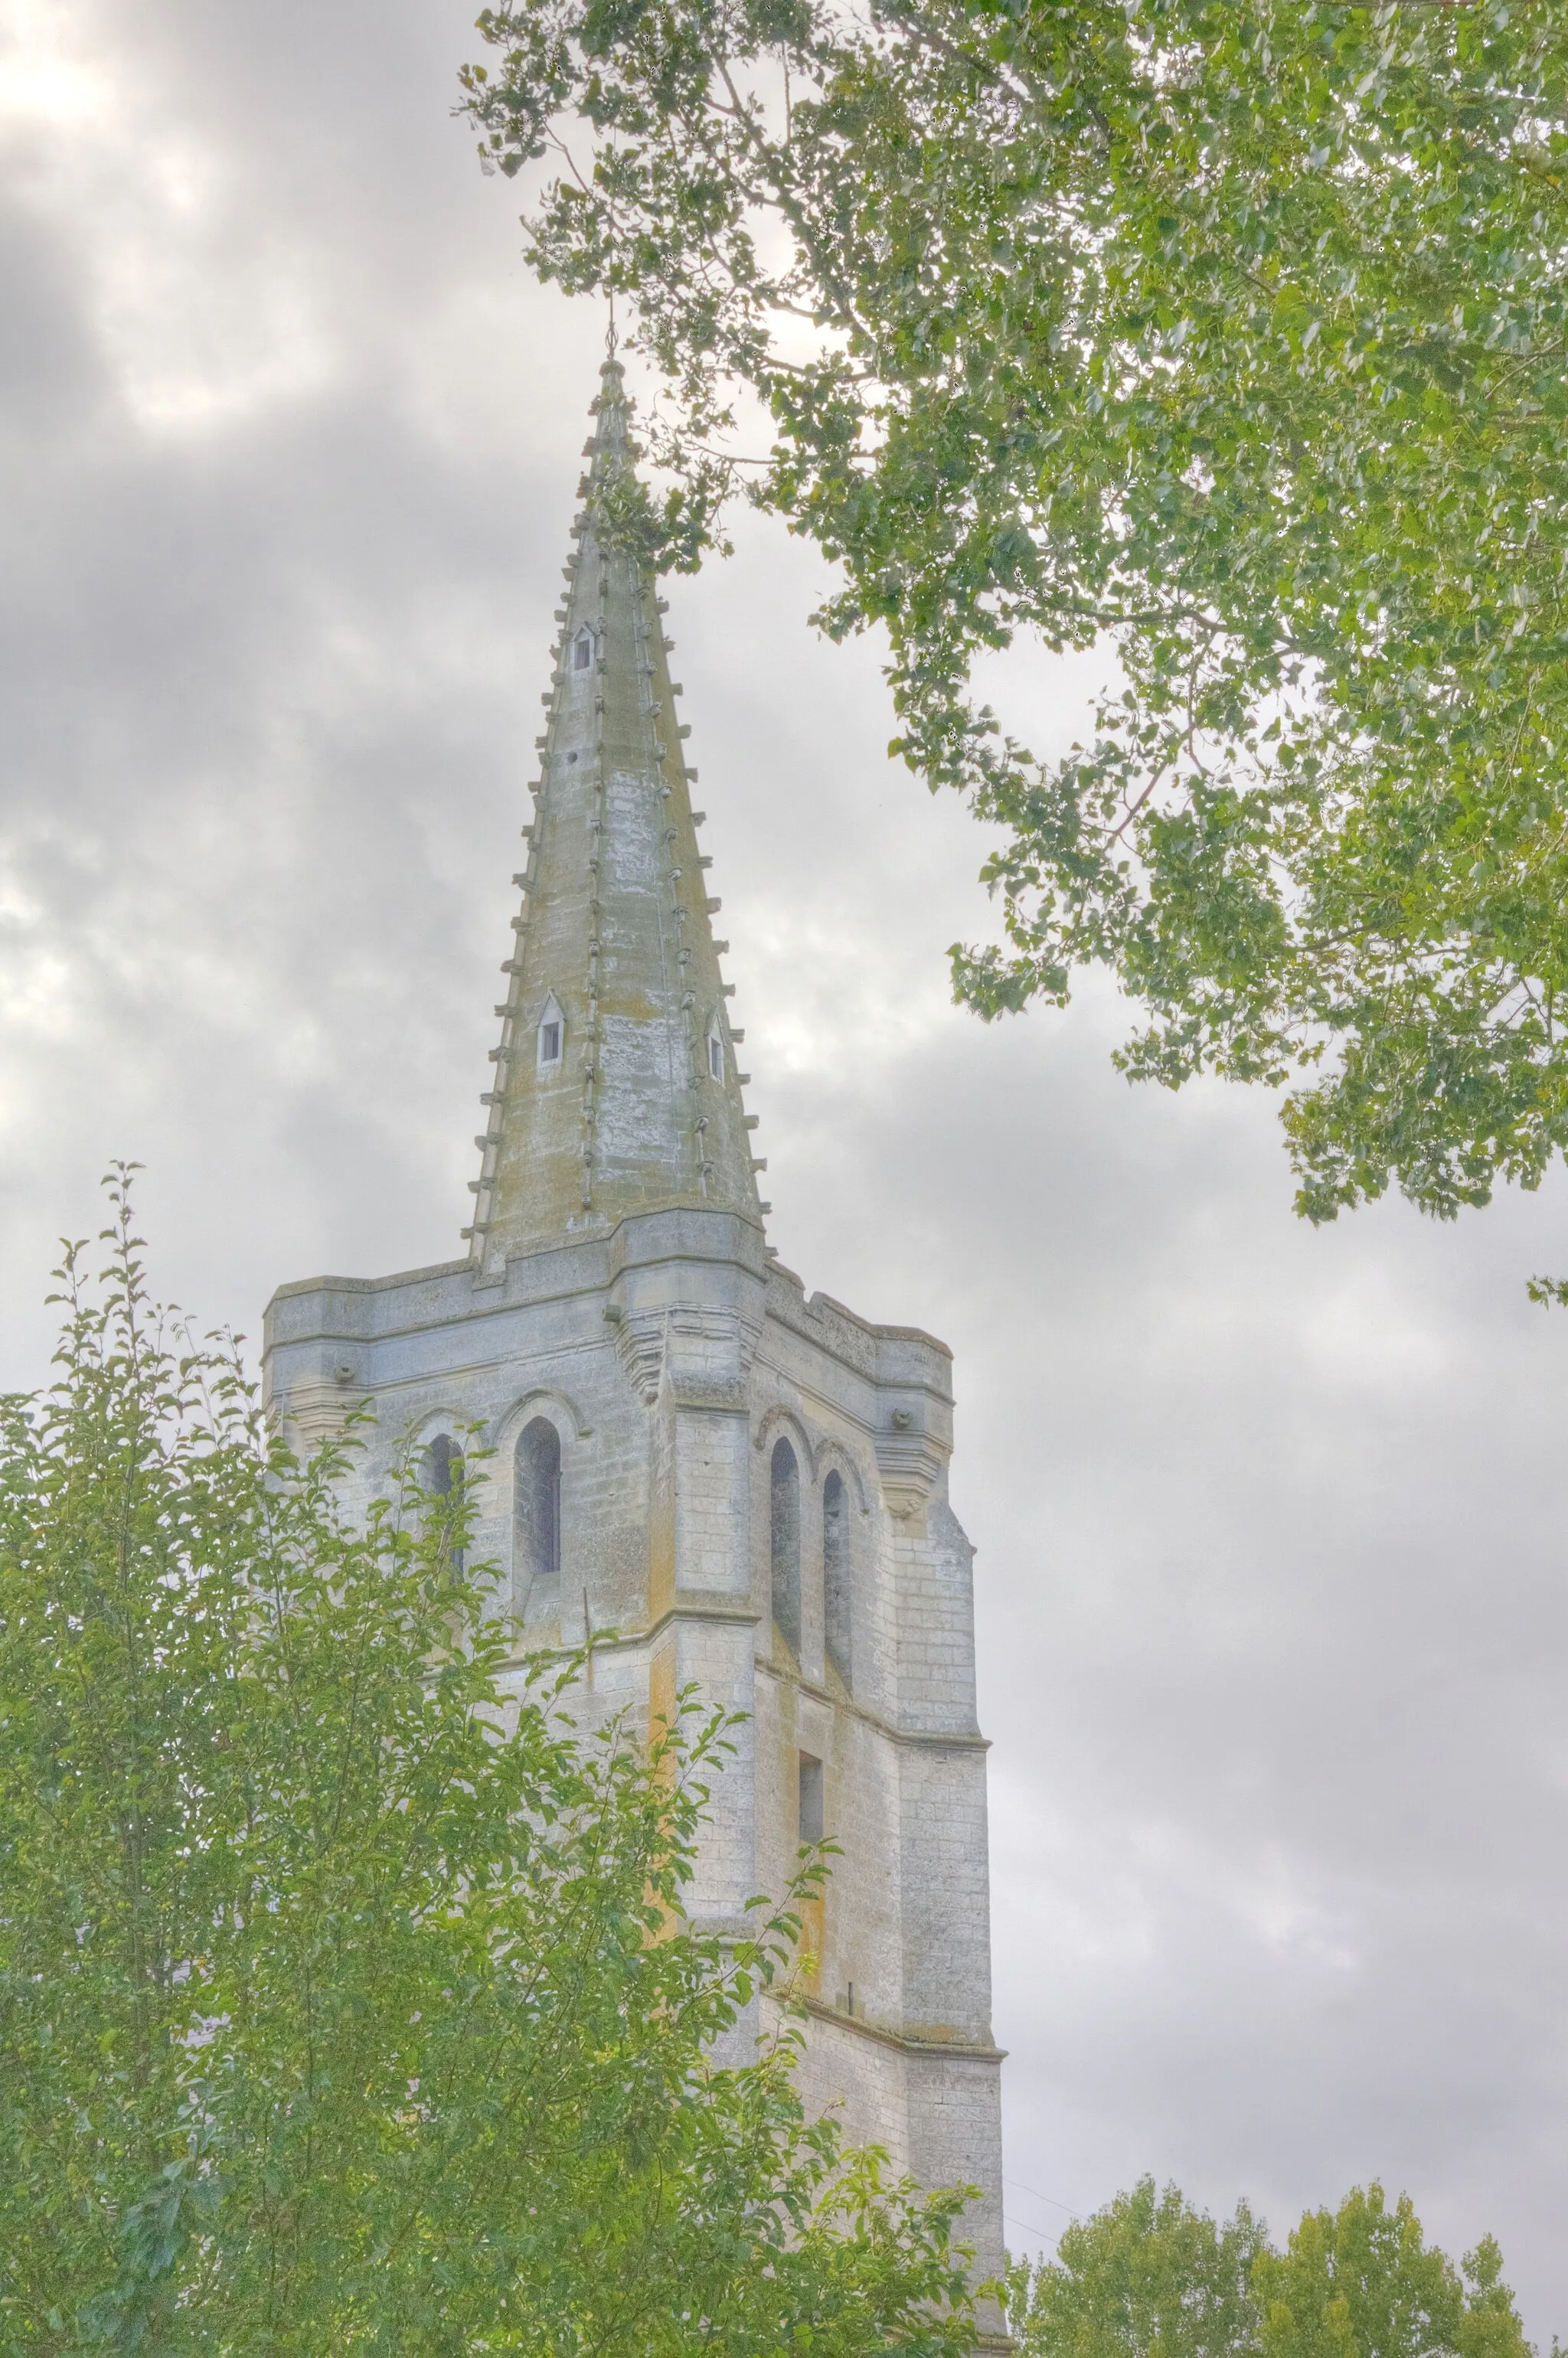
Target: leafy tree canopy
pixel 346 1999
pixel 1228 334
pixel 1146 2278
pixel 1361 2282
pixel 1151 2278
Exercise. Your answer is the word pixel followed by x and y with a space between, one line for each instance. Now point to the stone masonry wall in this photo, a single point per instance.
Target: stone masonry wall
pixel 671 1357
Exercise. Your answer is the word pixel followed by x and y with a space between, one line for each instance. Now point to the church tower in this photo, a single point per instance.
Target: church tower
pixel 711 1479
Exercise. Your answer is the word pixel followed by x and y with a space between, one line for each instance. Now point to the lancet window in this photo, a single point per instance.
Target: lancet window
pixel 536 1505
pixel 811 1798
pixel 443 1476
pixel 838 1627
pixel 784 1529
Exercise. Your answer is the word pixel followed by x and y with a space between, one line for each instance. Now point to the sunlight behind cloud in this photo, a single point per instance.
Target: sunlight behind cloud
pixel 44 80
pixel 204 314
pixel 36 998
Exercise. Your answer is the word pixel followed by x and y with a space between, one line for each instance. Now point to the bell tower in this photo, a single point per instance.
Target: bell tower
pixel 707 1475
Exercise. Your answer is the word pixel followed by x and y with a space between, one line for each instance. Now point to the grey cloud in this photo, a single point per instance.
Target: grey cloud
pixel 1271 1571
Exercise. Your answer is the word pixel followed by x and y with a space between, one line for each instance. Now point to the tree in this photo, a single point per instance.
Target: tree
pixel 1146 2278
pixel 1151 2278
pixel 1361 2282
pixel 345 2004
pixel 1230 337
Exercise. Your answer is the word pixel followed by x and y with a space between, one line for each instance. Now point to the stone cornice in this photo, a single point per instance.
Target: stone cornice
pixel 690 1605
pixel 715 1605
pixel 964 2050
pixel 954 1740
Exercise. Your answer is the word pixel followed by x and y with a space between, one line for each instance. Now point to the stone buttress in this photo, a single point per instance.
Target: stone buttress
pixel 717 1480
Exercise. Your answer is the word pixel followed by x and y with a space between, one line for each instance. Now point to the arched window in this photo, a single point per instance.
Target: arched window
pixel 552 1031
pixel 715 1055
pixel 536 1505
pixel 582 649
pixel 444 1479
pixel 836 1610
pixel 784 1523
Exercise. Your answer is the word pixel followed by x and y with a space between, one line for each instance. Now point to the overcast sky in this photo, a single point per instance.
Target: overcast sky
pixel 1271 1595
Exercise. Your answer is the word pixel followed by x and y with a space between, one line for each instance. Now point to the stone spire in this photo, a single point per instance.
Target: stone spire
pixel 616 1087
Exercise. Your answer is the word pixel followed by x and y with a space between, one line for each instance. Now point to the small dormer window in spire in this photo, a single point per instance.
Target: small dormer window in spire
pixel 714 1053
pixel 582 649
pixel 552 1033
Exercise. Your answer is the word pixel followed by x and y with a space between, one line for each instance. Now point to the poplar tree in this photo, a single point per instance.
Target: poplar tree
pixel 1152 2276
